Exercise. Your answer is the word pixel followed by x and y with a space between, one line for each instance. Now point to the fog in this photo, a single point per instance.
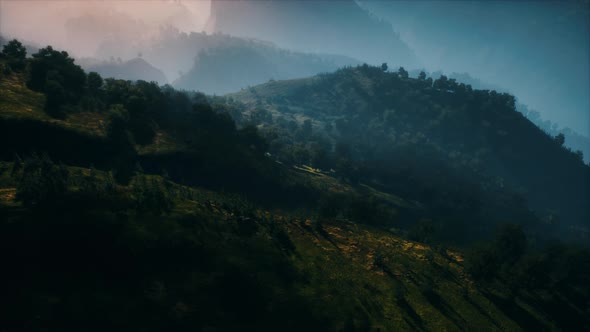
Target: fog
pixel 81 26
pixel 536 50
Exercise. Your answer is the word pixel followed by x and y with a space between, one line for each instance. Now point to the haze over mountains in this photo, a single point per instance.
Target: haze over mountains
pixel 314 26
pixel 547 44
pixel 332 177
pixel 538 51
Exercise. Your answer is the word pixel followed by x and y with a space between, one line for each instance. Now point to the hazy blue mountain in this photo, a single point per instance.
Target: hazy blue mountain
pixel 245 63
pixel 537 50
pixel 134 69
pixel 336 27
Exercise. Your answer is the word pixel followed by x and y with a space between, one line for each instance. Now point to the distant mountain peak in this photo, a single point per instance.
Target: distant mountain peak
pixel 307 26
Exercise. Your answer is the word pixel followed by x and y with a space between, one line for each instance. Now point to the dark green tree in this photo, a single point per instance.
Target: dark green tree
pixel 15 54
pixel 402 72
pixel 560 139
pixel 94 82
pixel 55 73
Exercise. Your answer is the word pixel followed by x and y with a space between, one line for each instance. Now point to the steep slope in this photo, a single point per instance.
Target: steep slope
pixel 573 140
pixel 334 27
pixel 84 243
pixel 539 51
pixel 392 124
pixel 115 261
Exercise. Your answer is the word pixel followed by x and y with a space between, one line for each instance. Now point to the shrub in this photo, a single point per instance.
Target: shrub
pixel 42 182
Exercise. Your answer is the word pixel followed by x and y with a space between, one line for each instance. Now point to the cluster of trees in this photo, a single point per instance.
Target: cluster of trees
pixel 134 113
pixel 405 136
pixel 558 271
pixel 14 54
pixel 436 141
pixel 499 256
pixel 55 74
pixel 45 185
pixel 40 181
pixel 560 140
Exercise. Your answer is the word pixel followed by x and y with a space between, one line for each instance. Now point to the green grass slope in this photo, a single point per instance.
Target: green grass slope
pixel 105 225
pixel 215 261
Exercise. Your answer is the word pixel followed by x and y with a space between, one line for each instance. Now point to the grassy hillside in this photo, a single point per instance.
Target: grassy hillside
pixel 169 217
pixel 216 261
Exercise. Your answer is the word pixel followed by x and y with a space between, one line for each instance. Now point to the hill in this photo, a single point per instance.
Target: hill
pixel 306 26
pixel 128 206
pixel 242 64
pixel 539 53
pixel 403 133
pixel 573 140
pixel 106 255
pixel 135 70
pixel 213 63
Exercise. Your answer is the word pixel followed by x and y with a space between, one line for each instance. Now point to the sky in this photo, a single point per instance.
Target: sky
pixel 537 50
pixel 61 23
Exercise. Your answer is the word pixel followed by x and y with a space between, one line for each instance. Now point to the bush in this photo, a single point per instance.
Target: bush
pixel 152 196
pixel 42 182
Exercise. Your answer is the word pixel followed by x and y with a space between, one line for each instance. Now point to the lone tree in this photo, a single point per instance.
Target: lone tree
pixel 402 72
pixel 560 139
pixel 15 53
pixel 384 66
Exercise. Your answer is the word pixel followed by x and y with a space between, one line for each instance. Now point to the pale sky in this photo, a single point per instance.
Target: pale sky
pixel 46 21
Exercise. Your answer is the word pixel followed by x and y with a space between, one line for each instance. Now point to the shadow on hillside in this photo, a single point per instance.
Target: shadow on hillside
pixel 411 317
pixel 441 305
pixel 524 319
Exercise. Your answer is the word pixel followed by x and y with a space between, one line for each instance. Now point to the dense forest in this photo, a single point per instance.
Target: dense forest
pixel 349 201
pixel 464 151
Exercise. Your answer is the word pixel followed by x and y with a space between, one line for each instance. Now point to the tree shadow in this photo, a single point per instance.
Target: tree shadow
pixel 411 316
pixel 524 319
pixel 482 311
pixel 441 305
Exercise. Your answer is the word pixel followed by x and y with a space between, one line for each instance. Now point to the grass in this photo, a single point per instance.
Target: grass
pixel 409 286
pixel 163 143
pixel 355 274
pixel 17 102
